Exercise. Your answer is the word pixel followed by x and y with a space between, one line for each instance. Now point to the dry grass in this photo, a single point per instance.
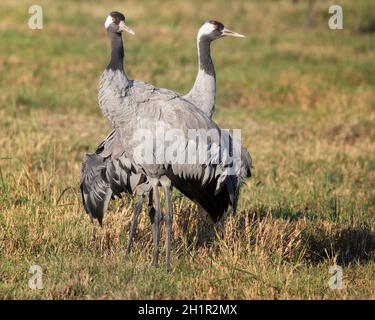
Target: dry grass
pixel 304 100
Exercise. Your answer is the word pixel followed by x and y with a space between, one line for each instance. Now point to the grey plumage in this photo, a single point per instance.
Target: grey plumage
pixel 147 107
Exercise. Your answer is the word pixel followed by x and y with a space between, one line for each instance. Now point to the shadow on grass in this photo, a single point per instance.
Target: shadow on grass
pixel 347 244
pixel 323 239
pixel 293 238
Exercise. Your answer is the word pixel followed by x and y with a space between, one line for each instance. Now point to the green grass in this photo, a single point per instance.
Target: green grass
pixel 305 102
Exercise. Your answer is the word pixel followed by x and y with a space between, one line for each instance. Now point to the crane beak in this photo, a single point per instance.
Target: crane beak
pixel 230 33
pixel 124 27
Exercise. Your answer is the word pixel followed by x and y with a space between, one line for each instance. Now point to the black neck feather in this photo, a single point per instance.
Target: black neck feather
pixel 205 60
pixel 117 51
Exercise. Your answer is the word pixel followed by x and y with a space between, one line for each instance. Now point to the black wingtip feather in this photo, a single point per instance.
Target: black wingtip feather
pixel 215 205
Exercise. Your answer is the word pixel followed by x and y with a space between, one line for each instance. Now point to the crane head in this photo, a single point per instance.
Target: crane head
pixel 215 30
pixel 115 22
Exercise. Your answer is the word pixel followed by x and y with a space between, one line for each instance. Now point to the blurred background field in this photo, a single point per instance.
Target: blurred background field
pixel 303 97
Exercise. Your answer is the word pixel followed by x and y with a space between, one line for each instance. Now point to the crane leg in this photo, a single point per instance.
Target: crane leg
pixel 151 209
pixel 152 213
pixel 169 221
pixel 133 226
pixel 155 227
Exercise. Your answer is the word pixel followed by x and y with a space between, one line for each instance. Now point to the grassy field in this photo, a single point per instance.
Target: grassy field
pixel 305 102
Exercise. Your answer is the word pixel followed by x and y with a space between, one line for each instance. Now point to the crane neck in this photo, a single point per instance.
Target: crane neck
pixel 117 52
pixel 204 56
pixel 113 83
pixel 203 93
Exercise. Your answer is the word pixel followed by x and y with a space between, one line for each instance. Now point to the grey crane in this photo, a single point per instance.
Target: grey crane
pixel 122 101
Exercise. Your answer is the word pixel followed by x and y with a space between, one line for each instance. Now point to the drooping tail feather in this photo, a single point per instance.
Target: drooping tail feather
pixel 245 173
pixel 95 189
